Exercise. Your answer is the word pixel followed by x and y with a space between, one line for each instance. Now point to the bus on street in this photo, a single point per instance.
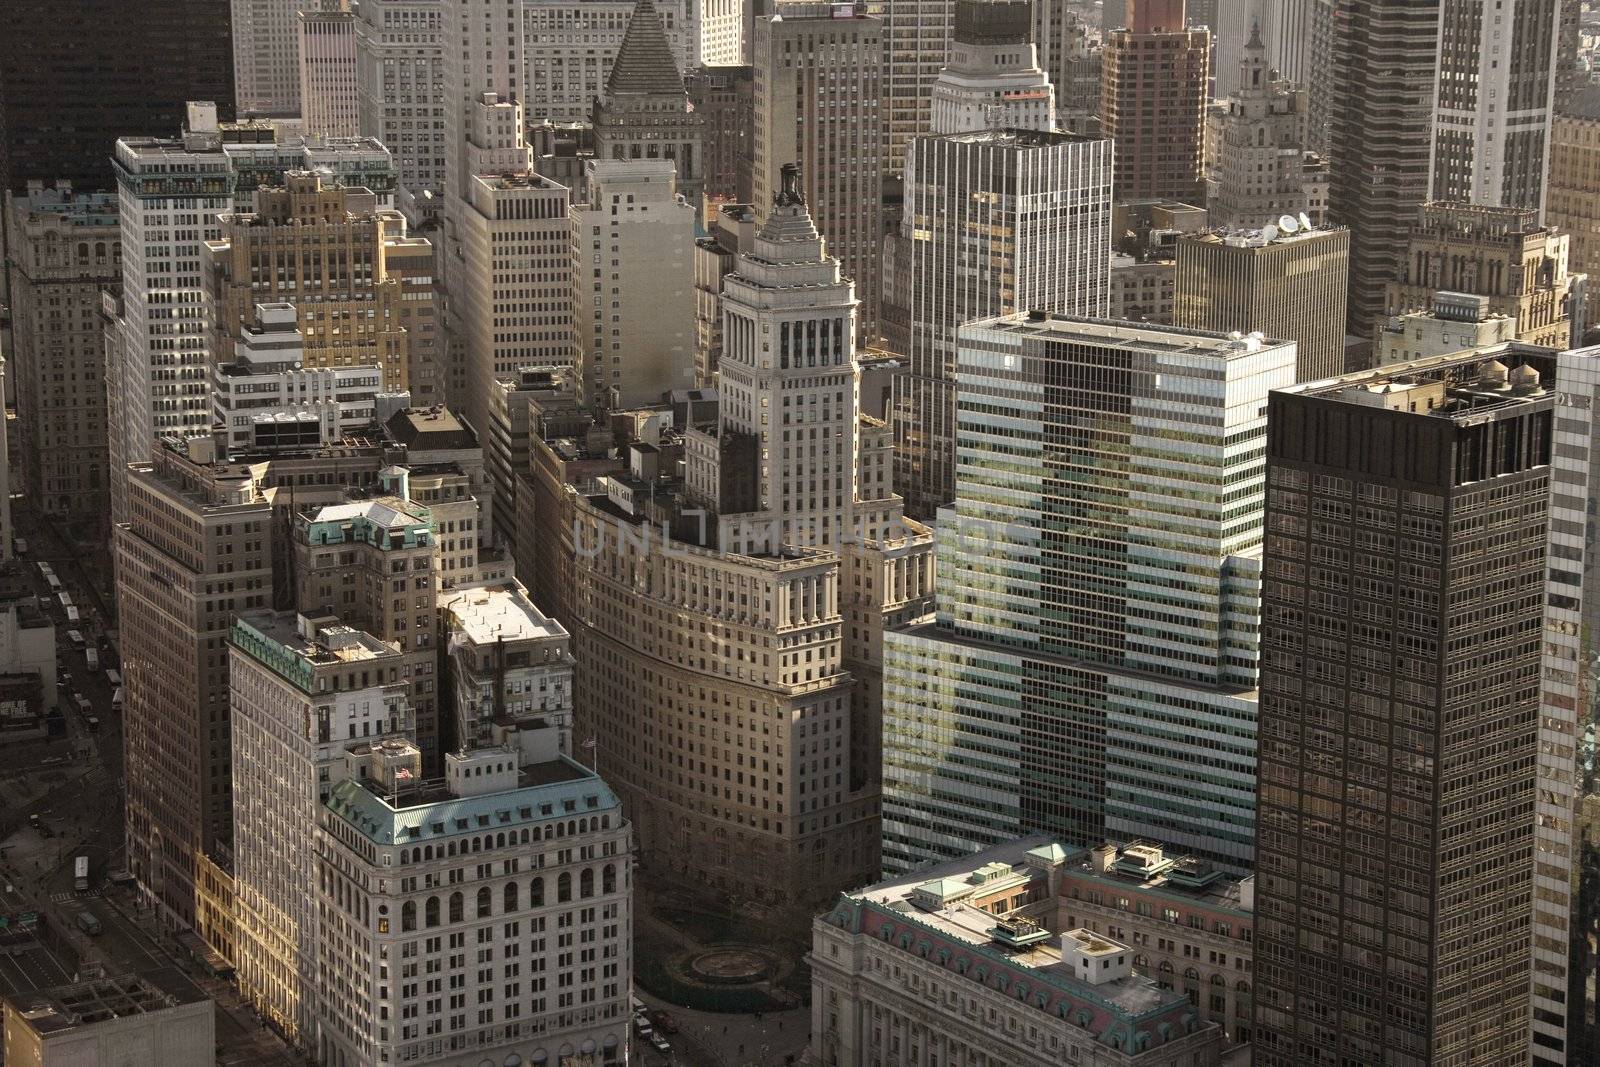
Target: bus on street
pixel 80 873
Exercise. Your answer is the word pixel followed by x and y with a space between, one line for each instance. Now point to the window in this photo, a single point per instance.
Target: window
pixel 457 907
pixel 432 912
pixel 408 916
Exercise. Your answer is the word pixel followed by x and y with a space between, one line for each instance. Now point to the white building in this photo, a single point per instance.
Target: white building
pixel 994 221
pixel 569 45
pixel 721 33
pixel 171 190
pixel 1458 322
pixel 329 85
pixel 993 81
pixel 129 1020
pixel 633 326
pixel 302 691
pixel 916 46
pixel 959 964
pixel 266 55
pixel 400 73
pixel 486 917
pixel 511 665
pixel 269 399
pixel 514 305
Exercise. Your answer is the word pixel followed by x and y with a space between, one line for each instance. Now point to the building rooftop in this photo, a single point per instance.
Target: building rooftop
pixel 1149 337
pixel 644 63
pixel 559 789
pixel 295 646
pixel 1011 138
pixel 430 429
pixel 487 614
pixel 48 1012
pixel 1456 385
pixel 1148 868
pixel 941 913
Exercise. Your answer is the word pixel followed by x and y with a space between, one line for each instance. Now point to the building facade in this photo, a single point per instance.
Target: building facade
pixel 632 312
pixel 964 962
pixel 1052 703
pixel 77 75
pixel 1155 69
pixel 993 81
pixel 1262 168
pixel 645 111
pixel 330 87
pixel 1492 102
pixel 400 85
pixel 1403 596
pixel 324 250
pixel 916 47
pixel 1289 284
pixel 65 248
pixel 195 551
pixel 301 691
pixel 994 222
pixel 1574 172
pixel 818 82
pixel 1458 322
pixel 1380 85
pixel 170 194
pixel 1501 253
pixel 266 55
pixel 1070 57
pixel 568 49
pixel 130 1018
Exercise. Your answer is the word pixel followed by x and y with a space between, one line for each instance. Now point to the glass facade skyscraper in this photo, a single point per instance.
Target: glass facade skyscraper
pixel 1091 670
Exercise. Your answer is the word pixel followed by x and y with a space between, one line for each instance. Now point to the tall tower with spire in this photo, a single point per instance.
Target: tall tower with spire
pixel 645 113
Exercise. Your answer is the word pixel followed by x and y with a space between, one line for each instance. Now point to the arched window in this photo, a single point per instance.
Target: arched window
pixel 1219 981
pixel 484 902
pixel 586 883
pixel 458 907
pixel 431 912
pixel 583 826
pixel 564 888
pixel 408 916
pixel 608 880
pixel 510 901
pixel 536 893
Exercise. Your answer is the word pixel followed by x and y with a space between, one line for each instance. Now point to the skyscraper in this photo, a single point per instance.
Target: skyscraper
pixel 1262 168
pixel 1492 102
pixel 266 55
pixel 787 551
pixel 302 692
pixel 1288 285
pixel 993 81
pixel 64 250
pixel 1155 69
pixel 330 91
pixel 326 250
pixel 1106 687
pixel 171 191
pixel 400 78
pixel 1402 607
pixel 1380 91
pixel 916 46
pixel 75 75
pixel 1570 203
pixel 818 82
pixel 632 309
pixel 196 551
pixel 644 112
pixel 1566 922
pixel 994 222
pixel 568 48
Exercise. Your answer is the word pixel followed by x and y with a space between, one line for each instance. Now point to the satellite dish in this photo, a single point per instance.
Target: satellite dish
pixel 1287 224
pixel 1269 233
pixel 1305 223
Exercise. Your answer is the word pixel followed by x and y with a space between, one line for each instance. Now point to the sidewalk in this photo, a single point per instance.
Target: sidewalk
pixel 741 1040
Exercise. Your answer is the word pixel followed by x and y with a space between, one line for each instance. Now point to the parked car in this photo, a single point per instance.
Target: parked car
pixel 93 723
pixel 75 637
pixel 661 1045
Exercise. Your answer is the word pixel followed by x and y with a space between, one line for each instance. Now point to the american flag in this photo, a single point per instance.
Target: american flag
pixel 403 772
pixel 589 744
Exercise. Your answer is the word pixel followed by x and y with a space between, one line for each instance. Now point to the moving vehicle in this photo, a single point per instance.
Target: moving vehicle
pixel 75 637
pixel 65 598
pixel 54 583
pixel 72 615
pixel 89 924
pixel 82 702
pixel 93 723
pixel 80 873
pixel 116 699
pixel 92 655
pixel 661 1045
pixel 113 676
